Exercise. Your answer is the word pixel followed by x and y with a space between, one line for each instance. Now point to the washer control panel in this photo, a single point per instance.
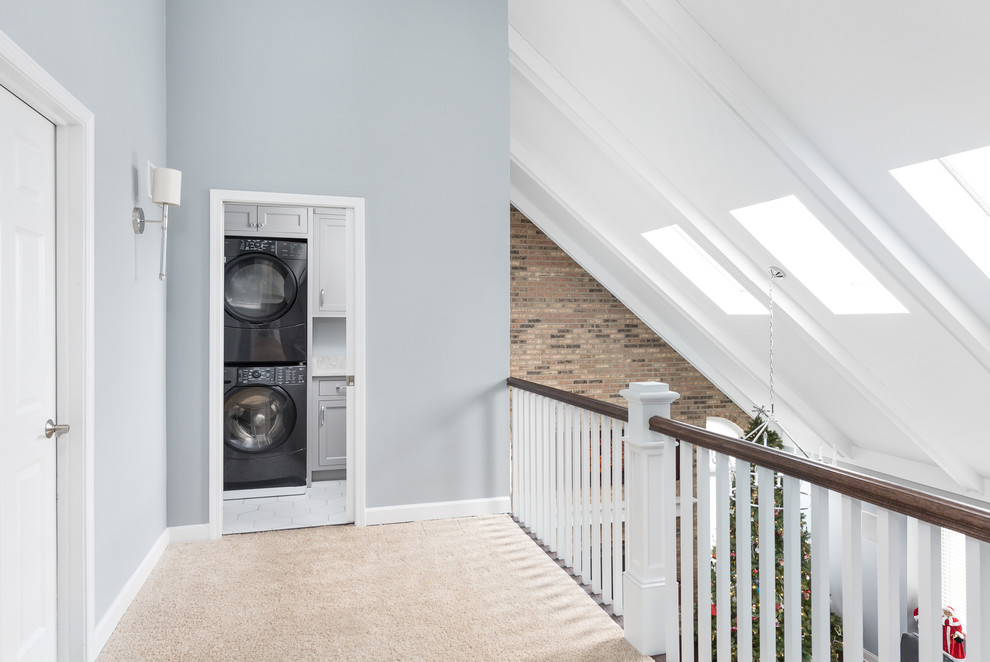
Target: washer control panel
pixel 272 375
pixel 290 374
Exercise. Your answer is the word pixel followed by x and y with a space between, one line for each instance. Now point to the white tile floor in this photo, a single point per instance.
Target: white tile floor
pixel 324 503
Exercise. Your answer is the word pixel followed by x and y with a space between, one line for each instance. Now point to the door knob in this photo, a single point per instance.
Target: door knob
pixel 52 430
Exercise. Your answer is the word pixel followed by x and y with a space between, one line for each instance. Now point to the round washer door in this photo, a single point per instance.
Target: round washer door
pixel 257 419
pixel 258 288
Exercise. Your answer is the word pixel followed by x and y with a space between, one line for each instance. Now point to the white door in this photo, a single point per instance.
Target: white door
pixel 27 375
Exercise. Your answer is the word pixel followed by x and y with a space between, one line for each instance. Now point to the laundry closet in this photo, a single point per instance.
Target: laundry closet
pixel 287 299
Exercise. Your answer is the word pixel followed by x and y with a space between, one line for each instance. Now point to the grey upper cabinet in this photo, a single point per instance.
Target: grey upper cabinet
pixel 255 219
pixel 332 238
pixel 240 219
pixel 289 220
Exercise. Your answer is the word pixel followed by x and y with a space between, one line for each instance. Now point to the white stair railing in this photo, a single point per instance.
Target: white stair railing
pixel 567 483
pixel 617 516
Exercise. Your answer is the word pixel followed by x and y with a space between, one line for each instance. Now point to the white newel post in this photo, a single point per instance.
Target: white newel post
pixel 650 520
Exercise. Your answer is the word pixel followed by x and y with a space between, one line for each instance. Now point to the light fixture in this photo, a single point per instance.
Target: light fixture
pixel 166 190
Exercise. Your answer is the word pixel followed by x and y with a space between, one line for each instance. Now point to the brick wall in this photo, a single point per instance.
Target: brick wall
pixel 569 332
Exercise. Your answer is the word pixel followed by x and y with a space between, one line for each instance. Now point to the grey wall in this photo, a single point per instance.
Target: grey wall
pixel 406 105
pixel 110 55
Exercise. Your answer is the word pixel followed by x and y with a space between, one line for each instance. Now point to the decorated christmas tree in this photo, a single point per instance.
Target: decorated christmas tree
pixel 770 438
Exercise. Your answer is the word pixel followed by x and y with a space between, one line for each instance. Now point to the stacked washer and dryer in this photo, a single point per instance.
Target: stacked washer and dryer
pixel 265 326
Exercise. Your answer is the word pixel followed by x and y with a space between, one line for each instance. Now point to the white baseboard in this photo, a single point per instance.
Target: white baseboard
pixel 190 533
pixel 127 594
pixel 440 510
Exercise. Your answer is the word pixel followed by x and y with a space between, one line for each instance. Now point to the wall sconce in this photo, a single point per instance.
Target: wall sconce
pixel 166 190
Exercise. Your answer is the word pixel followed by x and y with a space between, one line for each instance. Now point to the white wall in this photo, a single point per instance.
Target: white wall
pixel 405 104
pixel 110 55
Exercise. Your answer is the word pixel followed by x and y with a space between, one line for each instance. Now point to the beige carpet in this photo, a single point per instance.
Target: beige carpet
pixel 467 589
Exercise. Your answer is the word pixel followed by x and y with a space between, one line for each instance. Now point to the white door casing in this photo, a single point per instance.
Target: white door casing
pixel 74 279
pixel 356 360
pixel 28 578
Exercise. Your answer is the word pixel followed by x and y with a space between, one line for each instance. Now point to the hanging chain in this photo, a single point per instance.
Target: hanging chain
pixel 775 273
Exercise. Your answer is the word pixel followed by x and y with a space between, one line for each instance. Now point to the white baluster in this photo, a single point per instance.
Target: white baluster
pixel 820 611
pixel 534 462
pixel 586 553
pixel 567 538
pixel 595 501
pixel 704 484
pixel 545 473
pixel 556 434
pixel 792 569
pixel 618 517
pixel 891 573
pixel 768 570
pixel 852 579
pixel 977 599
pixel 723 620
pixel 514 406
pixel 539 471
pixel 530 461
pixel 744 565
pixel 606 510
pixel 687 551
pixel 929 592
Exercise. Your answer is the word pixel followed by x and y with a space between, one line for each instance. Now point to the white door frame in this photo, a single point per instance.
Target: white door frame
pixel 74 221
pixel 356 446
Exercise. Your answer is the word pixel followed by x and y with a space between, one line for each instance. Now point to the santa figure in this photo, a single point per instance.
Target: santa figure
pixel 953 639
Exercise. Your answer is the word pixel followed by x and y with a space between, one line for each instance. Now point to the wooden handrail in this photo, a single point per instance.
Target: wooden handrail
pixel 967 519
pixel 582 401
pixel 964 518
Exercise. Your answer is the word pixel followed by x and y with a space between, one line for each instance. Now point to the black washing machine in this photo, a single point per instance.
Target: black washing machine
pixel 264 300
pixel 264 427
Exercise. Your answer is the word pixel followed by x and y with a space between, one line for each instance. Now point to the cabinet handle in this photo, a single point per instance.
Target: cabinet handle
pixel 321 296
pixel 323 411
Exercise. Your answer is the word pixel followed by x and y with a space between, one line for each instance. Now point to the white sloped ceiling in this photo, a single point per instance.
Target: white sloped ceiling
pixel 632 115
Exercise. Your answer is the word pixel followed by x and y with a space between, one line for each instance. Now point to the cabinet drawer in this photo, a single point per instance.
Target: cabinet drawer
pixel 332 388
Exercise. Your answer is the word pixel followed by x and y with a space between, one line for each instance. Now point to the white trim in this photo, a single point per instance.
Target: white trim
pixel 130 590
pixel 190 533
pixel 74 222
pixel 870 657
pixel 416 512
pixel 356 446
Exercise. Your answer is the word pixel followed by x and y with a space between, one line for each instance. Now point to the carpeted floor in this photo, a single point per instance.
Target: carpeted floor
pixel 467 589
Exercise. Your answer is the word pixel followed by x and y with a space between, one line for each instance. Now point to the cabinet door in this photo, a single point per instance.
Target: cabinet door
pixel 240 219
pixel 332 425
pixel 332 260
pixel 283 220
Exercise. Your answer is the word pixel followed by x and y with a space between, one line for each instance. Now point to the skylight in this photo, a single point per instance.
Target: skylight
pixel 809 253
pixel 955 191
pixel 701 269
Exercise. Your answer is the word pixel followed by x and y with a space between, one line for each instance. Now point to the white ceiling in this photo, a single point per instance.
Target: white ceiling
pixel 630 115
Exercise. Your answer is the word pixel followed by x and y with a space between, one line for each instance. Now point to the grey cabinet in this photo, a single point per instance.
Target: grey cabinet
pixel 331 423
pixel 240 219
pixel 258 219
pixel 331 260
